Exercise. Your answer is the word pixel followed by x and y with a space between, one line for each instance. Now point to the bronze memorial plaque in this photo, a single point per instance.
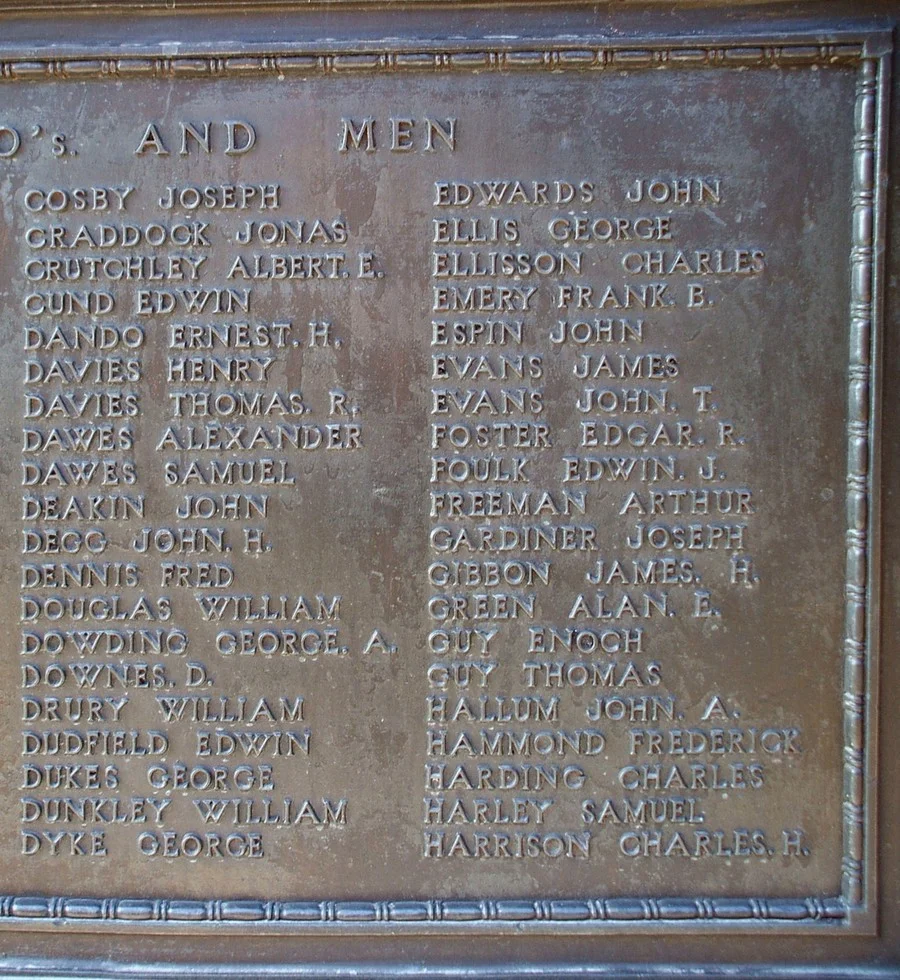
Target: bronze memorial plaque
pixel 441 484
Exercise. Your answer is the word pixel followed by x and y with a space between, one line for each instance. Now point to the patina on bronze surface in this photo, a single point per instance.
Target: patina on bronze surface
pixel 442 485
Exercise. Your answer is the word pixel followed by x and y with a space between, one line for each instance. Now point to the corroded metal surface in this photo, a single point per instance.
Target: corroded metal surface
pixel 443 485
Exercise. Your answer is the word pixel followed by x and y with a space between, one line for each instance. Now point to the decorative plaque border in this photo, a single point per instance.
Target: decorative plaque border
pixel 853 910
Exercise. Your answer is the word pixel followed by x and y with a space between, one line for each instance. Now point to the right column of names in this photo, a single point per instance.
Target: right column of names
pixel 590 509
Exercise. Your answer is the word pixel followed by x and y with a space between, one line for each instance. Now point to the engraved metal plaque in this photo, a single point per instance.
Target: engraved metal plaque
pixel 441 485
